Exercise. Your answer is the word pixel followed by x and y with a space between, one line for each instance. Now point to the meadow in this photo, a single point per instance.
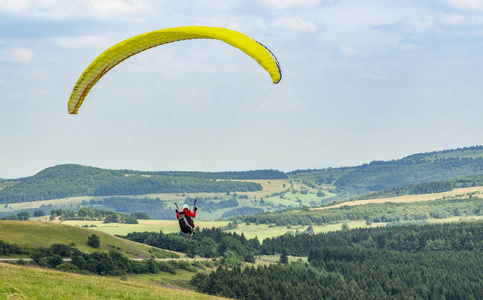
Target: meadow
pixel 19 282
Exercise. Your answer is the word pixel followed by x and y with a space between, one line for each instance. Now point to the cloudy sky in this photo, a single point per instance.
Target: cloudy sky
pixel 362 81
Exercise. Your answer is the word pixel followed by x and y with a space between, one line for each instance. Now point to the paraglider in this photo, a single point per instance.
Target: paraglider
pixel 132 46
pixel 119 52
pixel 185 218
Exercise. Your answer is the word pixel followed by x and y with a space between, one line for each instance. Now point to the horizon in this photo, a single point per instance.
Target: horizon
pixel 223 171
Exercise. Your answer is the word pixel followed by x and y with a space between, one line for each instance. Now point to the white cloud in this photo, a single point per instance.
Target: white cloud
pixel 294 24
pixel 16 55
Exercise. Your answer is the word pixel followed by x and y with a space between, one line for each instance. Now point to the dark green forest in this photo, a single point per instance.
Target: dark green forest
pixel 404 262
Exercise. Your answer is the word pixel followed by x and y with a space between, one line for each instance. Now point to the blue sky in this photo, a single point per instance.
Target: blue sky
pixel 362 81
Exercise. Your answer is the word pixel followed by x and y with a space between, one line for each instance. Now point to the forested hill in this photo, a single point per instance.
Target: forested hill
pixel 410 170
pixel 415 169
pixel 75 180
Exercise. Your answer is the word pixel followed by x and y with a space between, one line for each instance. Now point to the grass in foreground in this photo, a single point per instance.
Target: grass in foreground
pixel 17 282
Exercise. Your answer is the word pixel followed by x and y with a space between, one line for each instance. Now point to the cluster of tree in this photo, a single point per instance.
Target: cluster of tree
pixel 74 180
pixel 21 216
pixel 467 205
pixel 425 188
pixel 98 215
pixel 113 263
pixel 407 262
pixel 7 249
pixel 206 243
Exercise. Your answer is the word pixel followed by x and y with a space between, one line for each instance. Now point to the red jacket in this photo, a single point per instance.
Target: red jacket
pixel 187 213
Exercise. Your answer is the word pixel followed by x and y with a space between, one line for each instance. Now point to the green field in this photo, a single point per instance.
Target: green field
pixel 17 282
pixel 44 234
pixel 261 231
pixel 264 231
pixel 167 226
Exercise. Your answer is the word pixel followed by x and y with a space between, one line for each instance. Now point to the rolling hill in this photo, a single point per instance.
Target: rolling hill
pixel 75 180
pixel 235 193
pixel 413 169
pixel 44 234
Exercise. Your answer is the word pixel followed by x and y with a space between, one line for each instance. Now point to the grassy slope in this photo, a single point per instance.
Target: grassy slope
pixel 45 233
pixel 18 282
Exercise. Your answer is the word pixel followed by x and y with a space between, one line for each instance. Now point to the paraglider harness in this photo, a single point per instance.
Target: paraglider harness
pixel 186 223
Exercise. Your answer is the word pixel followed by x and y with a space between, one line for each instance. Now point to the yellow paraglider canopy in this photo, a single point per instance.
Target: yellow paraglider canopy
pixel 132 46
